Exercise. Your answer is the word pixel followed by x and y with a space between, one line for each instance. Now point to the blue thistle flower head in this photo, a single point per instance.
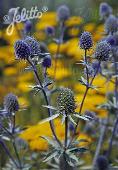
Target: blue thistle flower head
pixel 102 162
pixel 102 52
pixel 111 24
pixel 22 50
pixel 63 13
pixel 28 26
pixel 95 66
pixel 34 46
pixel 11 103
pixel 46 61
pixel 50 31
pixel 104 10
pixel 86 40
pixel 111 40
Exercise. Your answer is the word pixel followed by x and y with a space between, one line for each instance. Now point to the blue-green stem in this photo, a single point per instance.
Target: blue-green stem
pixel 46 99
pixel 83 100
pixel 8 153
pixel 62 28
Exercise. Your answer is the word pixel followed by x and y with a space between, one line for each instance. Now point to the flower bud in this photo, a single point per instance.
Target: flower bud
pixel 63 13
pixel 66 101
pixel 11 103
pixel 46 61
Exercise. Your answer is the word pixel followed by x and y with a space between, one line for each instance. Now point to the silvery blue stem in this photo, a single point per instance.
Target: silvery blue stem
pixel 8 153
pixel 13 141
pixel 100 141
pixel 112 137
pixel 82 103
pixel 62 28
pixel 66 131
pixel 116 120
pixel 46 99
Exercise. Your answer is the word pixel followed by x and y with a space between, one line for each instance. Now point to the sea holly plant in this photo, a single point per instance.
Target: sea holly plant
pixel 110 72
pixel 63 154
pixel 66 151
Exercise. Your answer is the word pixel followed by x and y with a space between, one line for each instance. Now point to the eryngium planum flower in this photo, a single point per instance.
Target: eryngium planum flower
pixel 22 50
pixel 28 26
pixel 105 10
pixel 66 102
pixel 11 103
pixel 63 13
pixel 50 31
pixel 111 24
pixel 111 40
pixel 86 40
pixel 102 51
pixel 46 61
pixel 34 46
pixel 102 163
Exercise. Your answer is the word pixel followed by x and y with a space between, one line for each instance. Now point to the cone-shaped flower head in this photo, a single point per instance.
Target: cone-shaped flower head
pixel 11 103
pixel 86 40
pixel 65 101
pixel 102 51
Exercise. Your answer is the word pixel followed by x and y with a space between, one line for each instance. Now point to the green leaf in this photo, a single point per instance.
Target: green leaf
pixel 49 119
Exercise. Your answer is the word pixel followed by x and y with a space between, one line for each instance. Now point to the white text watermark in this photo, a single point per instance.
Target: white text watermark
pixel 24 15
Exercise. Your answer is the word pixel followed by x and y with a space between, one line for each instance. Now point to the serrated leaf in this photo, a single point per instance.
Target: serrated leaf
pixel 49 119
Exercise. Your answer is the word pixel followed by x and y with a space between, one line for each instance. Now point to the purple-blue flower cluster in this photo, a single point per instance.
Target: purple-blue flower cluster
pixel 86 40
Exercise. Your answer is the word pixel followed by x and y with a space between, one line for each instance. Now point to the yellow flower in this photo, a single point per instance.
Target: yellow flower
pixel 90 102
pixel 24 86
pixel 33 135
pixel 53 48
pixel 10 71
pixel 89 27
pixel 25 77
pixel 23 102
pixel 61 73
pixel 40 35
pixel 83 136
pixel 73 32
pixel 48 19
pixel 74 20
pixel 37 144
pixel 49 16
